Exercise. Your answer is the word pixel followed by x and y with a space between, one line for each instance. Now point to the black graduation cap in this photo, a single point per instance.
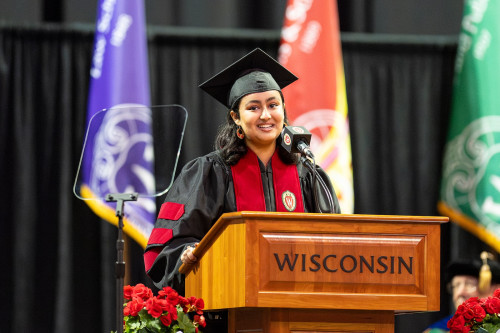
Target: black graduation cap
pixel 255 72
pixel 462 267
pixel 495 271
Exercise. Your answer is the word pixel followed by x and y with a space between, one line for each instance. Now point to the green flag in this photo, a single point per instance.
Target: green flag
pixel 470 189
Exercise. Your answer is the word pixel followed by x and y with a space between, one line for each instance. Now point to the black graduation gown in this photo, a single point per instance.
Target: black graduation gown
pixel 199 196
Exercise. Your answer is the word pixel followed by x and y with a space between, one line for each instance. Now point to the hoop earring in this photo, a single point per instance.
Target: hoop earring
pixel 239 133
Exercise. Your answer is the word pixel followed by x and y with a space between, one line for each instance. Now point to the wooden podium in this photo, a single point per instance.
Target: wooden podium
pixel 296 272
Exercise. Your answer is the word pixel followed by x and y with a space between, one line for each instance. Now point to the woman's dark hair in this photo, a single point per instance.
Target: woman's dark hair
pixel 232 148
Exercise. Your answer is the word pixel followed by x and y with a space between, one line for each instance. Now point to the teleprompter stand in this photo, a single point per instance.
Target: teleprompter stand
pixel 133 134
pixel 120 199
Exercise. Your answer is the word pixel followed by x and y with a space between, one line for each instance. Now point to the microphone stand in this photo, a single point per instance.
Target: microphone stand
pixel 310 163
pixel 120 199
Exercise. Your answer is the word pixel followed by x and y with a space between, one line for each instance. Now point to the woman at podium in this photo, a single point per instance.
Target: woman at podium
pixel 249 171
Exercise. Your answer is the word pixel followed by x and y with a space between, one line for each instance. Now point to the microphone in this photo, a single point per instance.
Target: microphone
pixel 296 139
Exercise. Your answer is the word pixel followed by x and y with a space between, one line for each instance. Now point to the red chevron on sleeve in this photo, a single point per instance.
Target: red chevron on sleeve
pixel 158 236
pixel 171 211
pixel 150 257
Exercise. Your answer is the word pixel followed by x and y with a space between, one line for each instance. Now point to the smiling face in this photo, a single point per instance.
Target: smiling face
pixel 261 117
pixel 463 287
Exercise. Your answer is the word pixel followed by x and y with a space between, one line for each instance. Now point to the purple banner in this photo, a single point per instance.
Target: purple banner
pixel 118 155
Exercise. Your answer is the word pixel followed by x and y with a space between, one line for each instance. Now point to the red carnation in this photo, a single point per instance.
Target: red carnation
pixel 471 302
pixel 134 307
pixel 200 304
pixel 200 320
pixel 173 312
pixel 171 296
pixel 162 303
pixel 165 291
pixel 456 324
pixel 165 307
pixel 154 307
pixel 166 320
pixel 184 303
pixel 479 313
pixel 142 291
pixel 468 314
pixel 491 305
pixel 461 309
pixel 127 292
pixel 496 293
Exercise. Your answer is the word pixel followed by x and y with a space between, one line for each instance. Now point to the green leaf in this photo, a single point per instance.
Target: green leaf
pixel 132 324
pixel 154 325
pixel 174 328
pixel 185 324
pixel 488 328
pixel 145 330
pixel 495 320
pixel 144 315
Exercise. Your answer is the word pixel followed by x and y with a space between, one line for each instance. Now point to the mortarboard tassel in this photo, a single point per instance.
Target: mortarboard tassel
pixel 485 273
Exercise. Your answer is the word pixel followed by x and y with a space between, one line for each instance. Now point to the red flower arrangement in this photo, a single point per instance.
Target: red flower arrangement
pixel 477 315
pixel 165 313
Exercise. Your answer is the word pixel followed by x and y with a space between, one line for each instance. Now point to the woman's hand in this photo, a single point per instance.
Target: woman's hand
pixel 187 256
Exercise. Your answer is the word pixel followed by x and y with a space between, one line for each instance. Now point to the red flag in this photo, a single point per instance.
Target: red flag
pixel 311 49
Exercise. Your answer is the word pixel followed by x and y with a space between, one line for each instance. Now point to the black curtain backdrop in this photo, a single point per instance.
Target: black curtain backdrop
pixel 57 258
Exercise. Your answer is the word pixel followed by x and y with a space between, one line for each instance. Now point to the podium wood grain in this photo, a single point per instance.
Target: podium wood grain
pixel 283 265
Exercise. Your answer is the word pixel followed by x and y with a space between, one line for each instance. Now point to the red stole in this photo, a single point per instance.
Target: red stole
pixel 248 186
